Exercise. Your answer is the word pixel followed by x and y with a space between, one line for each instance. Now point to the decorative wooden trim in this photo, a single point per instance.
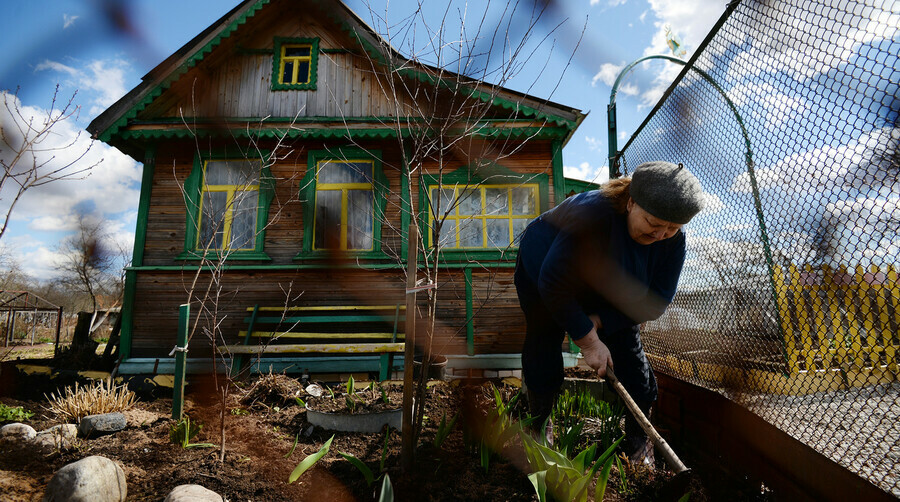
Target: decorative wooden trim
pixel 314 348
pixel 241 131
pixel 277 85
pixel 559 179
pixel 192 197
pixel 140 240
pixel 128 295
pixel 330 265
pixel 579 186
pixel 140 232
pixel 453 84
pixel 406 205
pixel 380 188
pixel 496 174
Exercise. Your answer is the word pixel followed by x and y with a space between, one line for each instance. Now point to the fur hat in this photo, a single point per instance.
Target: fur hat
pixel 668 191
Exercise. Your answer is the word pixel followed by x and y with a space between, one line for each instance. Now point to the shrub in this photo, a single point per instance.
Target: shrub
pixel 101 397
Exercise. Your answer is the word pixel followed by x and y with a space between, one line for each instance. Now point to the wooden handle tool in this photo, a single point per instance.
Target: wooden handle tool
pixel 667 452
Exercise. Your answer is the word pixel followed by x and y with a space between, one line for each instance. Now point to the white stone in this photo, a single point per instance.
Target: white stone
pixel 192 493
pixel 91 479
pixel 17 431
pixel 58 437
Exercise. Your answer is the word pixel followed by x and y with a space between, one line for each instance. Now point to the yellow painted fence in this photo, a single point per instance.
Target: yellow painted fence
pixel 840 319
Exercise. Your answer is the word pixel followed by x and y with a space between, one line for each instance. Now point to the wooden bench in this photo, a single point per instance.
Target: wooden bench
pixel 343 329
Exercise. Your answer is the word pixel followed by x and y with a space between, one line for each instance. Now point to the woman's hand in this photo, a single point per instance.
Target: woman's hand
pixel 595 352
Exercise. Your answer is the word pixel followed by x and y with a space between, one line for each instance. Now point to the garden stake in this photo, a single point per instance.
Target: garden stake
pixel 667 452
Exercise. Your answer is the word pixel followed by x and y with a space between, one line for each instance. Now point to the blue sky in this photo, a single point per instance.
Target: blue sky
pixel 101 49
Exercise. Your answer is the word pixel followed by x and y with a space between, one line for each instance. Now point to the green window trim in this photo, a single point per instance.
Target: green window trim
pixel 193 197
pixel 488 176
pixel 309 188
pixel 484 195
pixel 281 46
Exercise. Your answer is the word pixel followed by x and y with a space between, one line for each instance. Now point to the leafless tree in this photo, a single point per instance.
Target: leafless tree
pixel 91 263
pixel 441 81
pixel 206 288
pixel 30 150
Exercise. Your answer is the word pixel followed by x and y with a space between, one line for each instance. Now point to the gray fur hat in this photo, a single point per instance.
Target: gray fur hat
pixel 668 191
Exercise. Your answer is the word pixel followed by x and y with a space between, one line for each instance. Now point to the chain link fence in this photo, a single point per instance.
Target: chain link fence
pixel 789 302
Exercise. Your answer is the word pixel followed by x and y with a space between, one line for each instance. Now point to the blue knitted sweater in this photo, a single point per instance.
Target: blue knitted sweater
pixel 578 259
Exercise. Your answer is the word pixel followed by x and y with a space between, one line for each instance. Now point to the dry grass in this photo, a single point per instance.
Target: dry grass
pixel 100 397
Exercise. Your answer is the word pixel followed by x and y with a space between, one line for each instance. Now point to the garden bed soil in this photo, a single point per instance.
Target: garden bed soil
pixel 262 423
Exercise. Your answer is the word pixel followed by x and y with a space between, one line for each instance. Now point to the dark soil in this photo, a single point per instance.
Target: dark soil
pixel 262 422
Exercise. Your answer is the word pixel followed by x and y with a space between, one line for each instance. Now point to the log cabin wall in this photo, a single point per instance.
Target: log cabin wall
pixel 159 293
pixel 496 321
pixel 284 232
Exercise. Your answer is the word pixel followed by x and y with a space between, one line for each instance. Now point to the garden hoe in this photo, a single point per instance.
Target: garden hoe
pixel 683 476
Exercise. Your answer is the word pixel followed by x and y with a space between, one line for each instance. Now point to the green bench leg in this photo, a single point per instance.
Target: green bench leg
pixel 387 359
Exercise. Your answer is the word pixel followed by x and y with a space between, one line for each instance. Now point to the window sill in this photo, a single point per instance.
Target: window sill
pixel 479 255
pixel 342 255
pixel 294 87
pixel 232 256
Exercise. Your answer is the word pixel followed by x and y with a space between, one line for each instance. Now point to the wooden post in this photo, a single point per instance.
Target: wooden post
pixel 59 321
pixel 180 350
pixel 12 326
pixel 407 446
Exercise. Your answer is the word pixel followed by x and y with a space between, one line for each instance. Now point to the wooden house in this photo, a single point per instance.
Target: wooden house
pixel 285 153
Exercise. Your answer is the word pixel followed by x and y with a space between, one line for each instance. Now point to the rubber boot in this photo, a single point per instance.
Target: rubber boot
pixel 540 406
pixel 637 445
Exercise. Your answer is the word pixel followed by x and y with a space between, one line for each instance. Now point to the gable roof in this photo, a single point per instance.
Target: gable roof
pixel 109 124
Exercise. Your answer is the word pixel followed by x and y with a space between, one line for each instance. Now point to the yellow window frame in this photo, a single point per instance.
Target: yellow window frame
pixel 231 190
pixel 296 60
pixel 454 217
pixel 344 188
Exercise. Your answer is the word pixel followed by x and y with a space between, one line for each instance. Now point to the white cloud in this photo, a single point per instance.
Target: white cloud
pixel 68 20
pixel 823 167
pixel 594 143
pixel 111 190
pixel 607 74
pixel 32 257
pixel 586 172
pixel 873 217
pixel 623 135
pixel 629 89
pixel 104 80
pixel 53 223
pixel 55 66
pixel 773 53
pixel 691 20
pixel 712 204
pixel 108 79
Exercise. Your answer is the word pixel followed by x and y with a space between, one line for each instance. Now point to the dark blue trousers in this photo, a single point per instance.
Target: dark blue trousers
pixel 542 361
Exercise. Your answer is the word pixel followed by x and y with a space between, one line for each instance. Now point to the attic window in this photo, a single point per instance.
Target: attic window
pixel 294 64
